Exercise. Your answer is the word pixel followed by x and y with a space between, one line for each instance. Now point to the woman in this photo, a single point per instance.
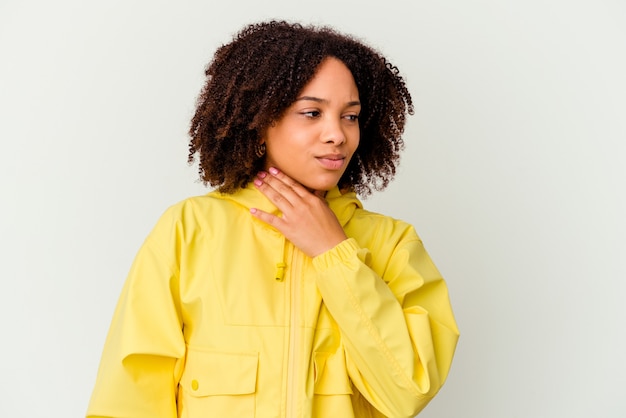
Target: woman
pixel 277 295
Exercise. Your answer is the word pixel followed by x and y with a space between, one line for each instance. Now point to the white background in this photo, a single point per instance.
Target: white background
pixel 514 175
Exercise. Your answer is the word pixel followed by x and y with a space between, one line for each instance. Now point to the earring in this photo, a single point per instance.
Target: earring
pixel 259 150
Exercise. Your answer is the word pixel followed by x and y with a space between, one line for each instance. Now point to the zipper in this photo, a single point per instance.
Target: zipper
pixel 294 333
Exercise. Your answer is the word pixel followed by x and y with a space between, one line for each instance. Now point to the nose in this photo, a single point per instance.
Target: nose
pixel 333 132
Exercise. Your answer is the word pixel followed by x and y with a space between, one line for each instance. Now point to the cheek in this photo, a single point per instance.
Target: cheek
pixel 356 142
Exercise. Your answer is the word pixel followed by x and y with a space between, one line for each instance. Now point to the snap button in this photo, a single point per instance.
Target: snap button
pixel 194 384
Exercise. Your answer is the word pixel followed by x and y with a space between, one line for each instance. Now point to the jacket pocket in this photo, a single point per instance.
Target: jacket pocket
pixel 218 384
pixel 331 375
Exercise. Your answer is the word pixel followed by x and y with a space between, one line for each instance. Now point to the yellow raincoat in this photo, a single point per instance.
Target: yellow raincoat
pixel 222 317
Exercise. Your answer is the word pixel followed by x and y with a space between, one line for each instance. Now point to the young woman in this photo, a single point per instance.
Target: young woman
pixel 278 295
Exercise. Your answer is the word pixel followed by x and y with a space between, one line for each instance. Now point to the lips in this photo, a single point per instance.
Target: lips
pixel 332 161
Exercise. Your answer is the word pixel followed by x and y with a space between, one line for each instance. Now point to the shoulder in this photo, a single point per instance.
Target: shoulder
pixel 382 234
pixel 383 224
pixel 191 216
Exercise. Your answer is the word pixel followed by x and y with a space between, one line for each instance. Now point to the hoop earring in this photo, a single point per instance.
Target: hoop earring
pixel 259 150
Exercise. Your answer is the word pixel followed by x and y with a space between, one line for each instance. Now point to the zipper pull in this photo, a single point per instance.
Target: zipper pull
pixel 280 271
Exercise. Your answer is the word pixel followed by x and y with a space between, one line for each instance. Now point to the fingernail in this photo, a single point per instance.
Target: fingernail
pixel 258 182
pixel 273 171
pixel 252 210
pixel 262 174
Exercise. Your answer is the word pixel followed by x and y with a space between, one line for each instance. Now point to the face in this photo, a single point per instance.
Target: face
pixel 317 135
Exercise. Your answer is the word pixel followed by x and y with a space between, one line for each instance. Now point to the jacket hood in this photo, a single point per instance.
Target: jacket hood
pixel 342 205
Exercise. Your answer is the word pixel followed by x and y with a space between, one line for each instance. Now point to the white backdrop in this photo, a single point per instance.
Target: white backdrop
pixel 514 175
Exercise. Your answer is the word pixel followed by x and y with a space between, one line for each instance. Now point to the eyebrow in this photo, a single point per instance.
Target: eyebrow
pixel 319 100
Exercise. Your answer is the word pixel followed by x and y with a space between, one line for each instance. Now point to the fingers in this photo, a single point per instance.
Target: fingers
pixel 268 218
pixel 292 185
pixel 282 190
pixel 306 220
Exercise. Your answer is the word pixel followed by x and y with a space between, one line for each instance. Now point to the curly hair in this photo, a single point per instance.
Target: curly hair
pixel 252 80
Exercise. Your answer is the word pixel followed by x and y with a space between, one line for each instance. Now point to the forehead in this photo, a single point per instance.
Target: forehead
pixel 332 77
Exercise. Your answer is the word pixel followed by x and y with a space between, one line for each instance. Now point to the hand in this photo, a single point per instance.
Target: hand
pixel 307 221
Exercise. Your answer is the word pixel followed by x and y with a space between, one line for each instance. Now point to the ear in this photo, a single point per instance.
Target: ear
pixel 261 135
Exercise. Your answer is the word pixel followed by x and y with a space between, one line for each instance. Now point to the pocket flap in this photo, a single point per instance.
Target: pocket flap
pixel 218 373
pixel 331 376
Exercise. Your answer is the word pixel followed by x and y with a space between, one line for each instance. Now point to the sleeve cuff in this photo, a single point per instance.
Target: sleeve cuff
pixel 342 253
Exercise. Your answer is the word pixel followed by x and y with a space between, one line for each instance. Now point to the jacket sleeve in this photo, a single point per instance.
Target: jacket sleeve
pixel 141 360
pixel 397 325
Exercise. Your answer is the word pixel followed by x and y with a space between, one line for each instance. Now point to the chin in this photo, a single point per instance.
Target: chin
pixel 322 187
pixel 321 183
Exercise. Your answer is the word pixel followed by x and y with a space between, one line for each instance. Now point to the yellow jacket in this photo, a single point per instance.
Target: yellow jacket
pixel 221 316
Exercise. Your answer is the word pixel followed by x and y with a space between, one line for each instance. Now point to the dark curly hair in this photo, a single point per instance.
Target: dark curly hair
pixel 252 80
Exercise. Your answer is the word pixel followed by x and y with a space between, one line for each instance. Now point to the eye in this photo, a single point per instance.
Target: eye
pixel 311 114
pixel 352 118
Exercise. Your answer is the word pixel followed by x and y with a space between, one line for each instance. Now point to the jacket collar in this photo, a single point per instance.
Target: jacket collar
pixel 343 205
